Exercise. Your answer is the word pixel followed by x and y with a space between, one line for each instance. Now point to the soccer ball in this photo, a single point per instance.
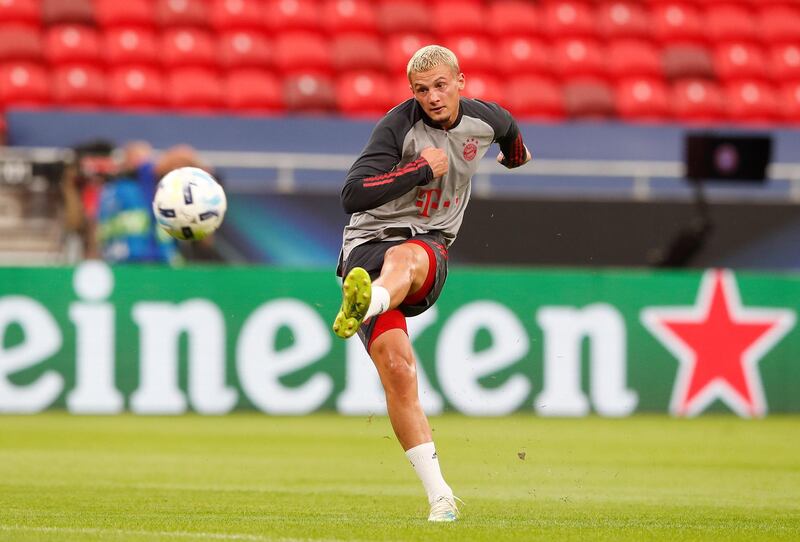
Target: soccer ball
pixel 189 203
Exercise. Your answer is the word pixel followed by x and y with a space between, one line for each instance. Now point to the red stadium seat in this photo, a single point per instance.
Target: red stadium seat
pixel 401 46
pixel 363 94
pixel 21 11
pixel 187 46
pixel 20 42
pixel 623 19
pixel 349 16
pixel 253 91
pixel 131 45
pixel 752 101
pixel 226 15
pixel 182 13
pixel 457 17
pixel 309 92
pixel 628 57
pixel 284 15
pixel 245 49
pixel 789 95
pixel 484 86
pixel 124 13
pixel 568 18
pixel 72 43
pixel 79 85
pixel 67 11
pixel 474 52
pixel 136 86
pixel 514 18
pixel 779 24
pixel 534 96
pixel 404 16
pixel 687 61
pixel 785 62
pixel 399 88
pixel 23 83
pixel 697 100
pixel 730 22
pixel 677 22
pixel 642 98
pixel 301 51
pixel 740 60
pixel 194 89
pixel 589 98
pixel 517 55
pixel 578 57
pixel 358 52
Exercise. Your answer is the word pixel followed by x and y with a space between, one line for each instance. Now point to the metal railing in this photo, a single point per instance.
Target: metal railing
pixel 636 177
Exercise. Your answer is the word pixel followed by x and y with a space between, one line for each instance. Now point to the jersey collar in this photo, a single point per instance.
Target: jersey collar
pixel 429 122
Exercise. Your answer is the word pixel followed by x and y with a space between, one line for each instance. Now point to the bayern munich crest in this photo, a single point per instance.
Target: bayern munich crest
pixel 470 149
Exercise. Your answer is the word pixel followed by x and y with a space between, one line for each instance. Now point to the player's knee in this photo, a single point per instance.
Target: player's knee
pixel 403 257
pixel 399 370
pixel 400 255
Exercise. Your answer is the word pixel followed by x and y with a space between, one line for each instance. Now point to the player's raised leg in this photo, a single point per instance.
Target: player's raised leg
pixel 404 270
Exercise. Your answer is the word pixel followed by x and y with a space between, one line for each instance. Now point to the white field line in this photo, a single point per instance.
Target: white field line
pixel 162 534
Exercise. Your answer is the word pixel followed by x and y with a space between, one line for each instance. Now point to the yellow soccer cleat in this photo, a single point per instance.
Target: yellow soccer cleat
pixel 356 295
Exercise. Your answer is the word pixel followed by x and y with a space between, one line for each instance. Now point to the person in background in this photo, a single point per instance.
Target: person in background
pixel 127 231
pixel 81 183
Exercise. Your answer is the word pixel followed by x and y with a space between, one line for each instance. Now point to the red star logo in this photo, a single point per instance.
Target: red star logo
pixel 718 343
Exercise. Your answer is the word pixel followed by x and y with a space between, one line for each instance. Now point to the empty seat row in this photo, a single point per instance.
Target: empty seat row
pixel 297 51
pixel 364 93
pixel 668 20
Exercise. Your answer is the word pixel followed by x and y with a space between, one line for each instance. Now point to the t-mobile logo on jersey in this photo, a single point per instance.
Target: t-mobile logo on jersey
pixel 430 199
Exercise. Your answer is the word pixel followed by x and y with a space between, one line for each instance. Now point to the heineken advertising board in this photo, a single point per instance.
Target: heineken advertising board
pixel 153 340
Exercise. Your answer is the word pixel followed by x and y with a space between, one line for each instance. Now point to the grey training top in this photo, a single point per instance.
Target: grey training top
pixel 390 189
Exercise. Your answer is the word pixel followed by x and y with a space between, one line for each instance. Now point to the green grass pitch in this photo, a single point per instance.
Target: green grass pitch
pixel 249 477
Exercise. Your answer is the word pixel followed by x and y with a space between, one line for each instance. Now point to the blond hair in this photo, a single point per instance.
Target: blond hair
pixel 429 57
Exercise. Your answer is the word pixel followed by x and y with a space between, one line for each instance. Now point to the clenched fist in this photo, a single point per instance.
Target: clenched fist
pixel 437 159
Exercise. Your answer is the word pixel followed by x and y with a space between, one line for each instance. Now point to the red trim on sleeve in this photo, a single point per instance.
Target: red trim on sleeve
pixel 386 178
pixel 386 321
pixel 420 294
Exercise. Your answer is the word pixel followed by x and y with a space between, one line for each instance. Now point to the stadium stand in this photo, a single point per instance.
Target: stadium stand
pixel 18 42
pixel 136 87
pixel 72 43
pixel 642 98
pixel 23 83
pixel 79 85
pixel 78 12
pixel 113 13
pixel 624 46
pixel 253 90
pixel 349 16
pixel 226 15
pixel 194 88
pixel 21 11
pixel 245 48
pixel 513 18
pixel 131 45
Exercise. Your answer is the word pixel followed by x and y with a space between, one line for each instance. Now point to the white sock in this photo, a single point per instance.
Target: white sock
pixel 379 302
pixel 425 461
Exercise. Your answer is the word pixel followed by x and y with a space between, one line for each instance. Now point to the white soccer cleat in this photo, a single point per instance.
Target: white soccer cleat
pixel 444 509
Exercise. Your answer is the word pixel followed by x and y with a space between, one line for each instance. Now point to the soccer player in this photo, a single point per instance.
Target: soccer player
pixel 407 193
